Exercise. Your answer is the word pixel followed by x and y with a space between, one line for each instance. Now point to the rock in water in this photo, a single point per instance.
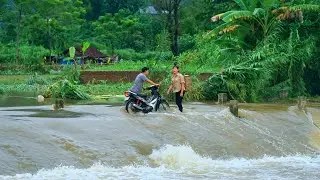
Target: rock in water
pixel 40 99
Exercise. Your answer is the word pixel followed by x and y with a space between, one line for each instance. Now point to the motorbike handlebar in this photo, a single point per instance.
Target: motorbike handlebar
pixel 150 87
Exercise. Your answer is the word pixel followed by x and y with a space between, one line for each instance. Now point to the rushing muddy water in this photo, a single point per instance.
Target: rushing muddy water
pixel 204 142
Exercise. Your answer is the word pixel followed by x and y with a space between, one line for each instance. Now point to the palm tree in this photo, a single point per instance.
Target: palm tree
pixel 258 18
pixel 249 74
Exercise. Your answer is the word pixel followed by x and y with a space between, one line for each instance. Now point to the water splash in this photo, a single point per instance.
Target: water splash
pixel 182 162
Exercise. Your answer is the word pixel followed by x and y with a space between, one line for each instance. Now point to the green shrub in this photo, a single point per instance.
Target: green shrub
pixel 213 86
pixel 7 53
pixel 163 56
pixel 186 42
pixel 1 90
pixel 126 54
pixel 33 55
pixel 69 73
pixel 196 92
pixel 36 79
pixel 29 55
pixel 66 90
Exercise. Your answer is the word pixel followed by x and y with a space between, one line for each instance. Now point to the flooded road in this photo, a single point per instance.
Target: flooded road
pixel 204 142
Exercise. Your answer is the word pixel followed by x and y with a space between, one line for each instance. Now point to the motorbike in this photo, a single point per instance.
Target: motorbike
pixel 135 102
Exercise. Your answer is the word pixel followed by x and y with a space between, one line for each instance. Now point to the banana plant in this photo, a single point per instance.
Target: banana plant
pixel 259 16
pixel 72 54
pixel 85 47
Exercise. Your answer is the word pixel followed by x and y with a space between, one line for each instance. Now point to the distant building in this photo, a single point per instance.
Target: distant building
pixel 149 10
pixel 91 53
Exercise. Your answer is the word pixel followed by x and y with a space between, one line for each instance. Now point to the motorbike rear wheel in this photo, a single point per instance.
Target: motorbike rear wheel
pixel 129 107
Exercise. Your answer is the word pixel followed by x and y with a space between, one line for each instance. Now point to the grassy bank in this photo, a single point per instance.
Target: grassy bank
pixel 38 84
pixel 16 84
pixel 165 66
pixel 25 83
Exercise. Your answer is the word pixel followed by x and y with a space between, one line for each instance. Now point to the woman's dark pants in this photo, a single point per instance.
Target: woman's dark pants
pixel 179 100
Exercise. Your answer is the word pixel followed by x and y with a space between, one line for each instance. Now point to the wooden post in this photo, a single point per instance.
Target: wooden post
pixel 302 102
pixel 234 108
pixel 222 98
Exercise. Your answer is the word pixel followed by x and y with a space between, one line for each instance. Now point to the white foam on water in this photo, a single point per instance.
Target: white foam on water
pixel 182 162
pixel 97 171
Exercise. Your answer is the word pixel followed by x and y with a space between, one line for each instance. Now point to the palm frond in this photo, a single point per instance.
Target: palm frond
pixel 280 10
pixel 259 12
pixel 285 13
pixel 221 16
pixel 306 7
pixel 217 17
pixel 222 29
pixel 234 15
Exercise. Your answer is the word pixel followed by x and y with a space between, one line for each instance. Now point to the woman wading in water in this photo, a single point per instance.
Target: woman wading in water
pixel 177 86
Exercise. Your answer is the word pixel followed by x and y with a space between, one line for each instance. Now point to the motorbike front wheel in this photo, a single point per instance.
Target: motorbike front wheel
pixel 162 105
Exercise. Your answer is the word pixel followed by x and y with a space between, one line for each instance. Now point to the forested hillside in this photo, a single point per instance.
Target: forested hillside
pixel 263 47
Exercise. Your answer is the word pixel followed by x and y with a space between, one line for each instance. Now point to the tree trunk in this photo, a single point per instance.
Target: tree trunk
pixel 169 27
pixel 169 24
pixel 49 39
pixel 175 45
pixel 112 48
pixel 18 37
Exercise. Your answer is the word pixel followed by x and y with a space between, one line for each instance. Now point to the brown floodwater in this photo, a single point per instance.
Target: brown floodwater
pixel 102 141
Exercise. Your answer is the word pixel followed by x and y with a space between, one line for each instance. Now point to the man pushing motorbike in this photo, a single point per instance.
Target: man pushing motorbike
pixel 136 102
pixel 140 79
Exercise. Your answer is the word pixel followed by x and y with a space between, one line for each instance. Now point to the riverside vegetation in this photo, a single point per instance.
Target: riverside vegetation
pixel 259 50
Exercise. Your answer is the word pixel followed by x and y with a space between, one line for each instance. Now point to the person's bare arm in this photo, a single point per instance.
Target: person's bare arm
pixel 169 89
pixel 182 89
pixel 152 83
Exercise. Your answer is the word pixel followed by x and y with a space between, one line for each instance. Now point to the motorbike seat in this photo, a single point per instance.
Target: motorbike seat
pixel 140 95
pixel 143 96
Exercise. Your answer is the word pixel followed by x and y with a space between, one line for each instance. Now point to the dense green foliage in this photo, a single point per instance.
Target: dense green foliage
pixel 271 46
pixel 263 49
pixel 29 55
pixel 65 89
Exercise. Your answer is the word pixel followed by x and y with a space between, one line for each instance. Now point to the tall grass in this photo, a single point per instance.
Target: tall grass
pixel 25 83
